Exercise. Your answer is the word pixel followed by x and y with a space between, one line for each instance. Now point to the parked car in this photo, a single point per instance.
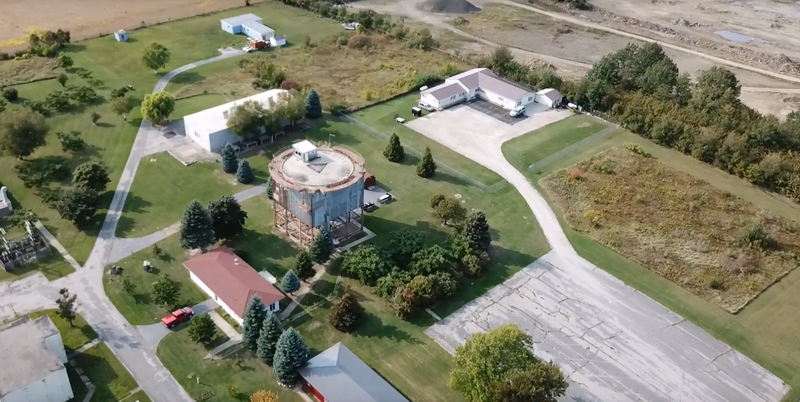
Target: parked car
pixel 248 49
pixel 369 207
pixel 517 112
pixel 178 316
pixel 386 198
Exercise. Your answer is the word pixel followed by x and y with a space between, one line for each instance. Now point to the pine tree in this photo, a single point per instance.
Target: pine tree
pixel 426 166
pixel 227 217
pixel 66 305
pixel 268 338
pixel 252 322
pixel 197 229
pixel 304 266
pixel 394 151
pixel 230 162
pixel 290 283
pixel 313 105
pixel 291 353
pixel 244 174
pixel 476 230
pixel 347 313
pixel 269 187
pixel 322 246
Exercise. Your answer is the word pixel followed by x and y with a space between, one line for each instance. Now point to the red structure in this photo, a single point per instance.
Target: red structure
pixel 369 180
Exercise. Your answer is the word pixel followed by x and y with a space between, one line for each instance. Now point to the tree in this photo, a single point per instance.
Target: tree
pixel 230 163
pixel 388 284
pixel 64 61
pixel 71 141
pixel 128 286
pixel 62 79
pixel 252 322
pixel 476 230
pixel 11 94
pixel 541 381
pixel 78 205
pixel 304 266
pixel 430 260
pixel 394 151
pixel 322 246
pixel 122 106
pixel 155 56
pixel 227 217
pixel 21 132
pixel 426 166
pixel 247 119
pixel 449 210
pixel 157 107
pixel 66 305
pixel 346 314
pixel 202 330
pixel 436 199
pixel 366 263
pixel 271 331
pixel 91 175
pixel 197 229
pixel 244 174
pixel 421 292
pixel 166 292
pixel 262 395
pixel 421 39
pixel 488 358
pixel 403 244
pixel 313 105
pixel 291 353
pixel 290 283
pixel 269 187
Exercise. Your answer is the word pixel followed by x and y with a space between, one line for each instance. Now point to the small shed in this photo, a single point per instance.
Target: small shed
pixel 121 35
pixel 277 41
pixel 549 97
pixel 369 180
pixel 305 150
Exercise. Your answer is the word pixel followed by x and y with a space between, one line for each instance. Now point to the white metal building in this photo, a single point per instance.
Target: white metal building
pixel 248 24
pixel 476 83
pixel 549 97
pixel 32 355
pixel 209 128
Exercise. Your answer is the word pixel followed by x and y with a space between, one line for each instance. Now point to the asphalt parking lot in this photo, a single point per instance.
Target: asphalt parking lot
pixel 495 111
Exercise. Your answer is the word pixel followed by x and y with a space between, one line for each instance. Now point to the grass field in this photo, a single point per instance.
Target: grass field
pixel 111 380
pixel 761 330
pixel 117 64
pixel 146 208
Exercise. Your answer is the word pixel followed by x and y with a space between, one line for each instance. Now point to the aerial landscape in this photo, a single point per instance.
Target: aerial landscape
pixel 400 200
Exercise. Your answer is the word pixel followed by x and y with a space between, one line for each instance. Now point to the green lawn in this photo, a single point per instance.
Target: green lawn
pixel 147 209
pixel 111 380
pixel 525 150
pixel 74 336
pixel 52 268
pixel 79 389
pixel 184 359
pixel 117 64
pixel 257 245
pixel 761 330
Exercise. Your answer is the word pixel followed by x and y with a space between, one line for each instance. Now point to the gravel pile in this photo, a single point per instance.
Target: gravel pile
pixel 449 6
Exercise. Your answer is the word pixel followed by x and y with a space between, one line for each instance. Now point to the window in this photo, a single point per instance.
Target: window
pixel 519 103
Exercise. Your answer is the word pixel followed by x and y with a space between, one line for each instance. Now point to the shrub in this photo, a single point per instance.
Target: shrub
pixel 10 94
pixel 637 149
pixel 755 236
pixel 359 41
pixel 436 199
pixel 37 172
pixel 71 141
pixel 716 284
pixel 346 314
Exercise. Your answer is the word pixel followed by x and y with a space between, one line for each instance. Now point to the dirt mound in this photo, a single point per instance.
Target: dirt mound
pixel 449 6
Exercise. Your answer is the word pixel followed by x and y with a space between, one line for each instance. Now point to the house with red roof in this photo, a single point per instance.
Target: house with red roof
pixel 232 282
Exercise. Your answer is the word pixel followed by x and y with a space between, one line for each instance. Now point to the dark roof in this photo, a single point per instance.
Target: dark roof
pixel 340 376
pixel 232 279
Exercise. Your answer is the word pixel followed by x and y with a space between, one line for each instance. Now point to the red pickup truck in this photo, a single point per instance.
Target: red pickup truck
pixel 178 316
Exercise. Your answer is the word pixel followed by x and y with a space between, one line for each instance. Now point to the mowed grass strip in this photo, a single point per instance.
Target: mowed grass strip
pixel 74 336
pixel 111 380
pixel 760 330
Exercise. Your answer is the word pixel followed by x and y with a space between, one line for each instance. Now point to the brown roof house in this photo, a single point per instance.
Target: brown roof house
pixel 232 282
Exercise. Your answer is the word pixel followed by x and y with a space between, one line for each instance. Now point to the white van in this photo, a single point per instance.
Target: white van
pixel 517 112
pixel 385 198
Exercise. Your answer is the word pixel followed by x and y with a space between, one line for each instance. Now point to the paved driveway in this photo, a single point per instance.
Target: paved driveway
pixel 614 343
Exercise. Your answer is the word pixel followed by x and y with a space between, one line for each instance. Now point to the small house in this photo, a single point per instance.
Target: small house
pixel 248 24
pixel 476 83
pixel 549 97
pixel 277 41
pixel 121 35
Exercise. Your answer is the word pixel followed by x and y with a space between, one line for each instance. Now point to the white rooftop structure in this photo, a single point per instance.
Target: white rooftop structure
pixel 476 83
pixel 209 128
pixel 248 24
pixel 317 167
pixel 5 203
pixel 33 357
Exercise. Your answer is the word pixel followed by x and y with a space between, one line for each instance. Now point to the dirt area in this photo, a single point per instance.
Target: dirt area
pixel 354 77
pixel 90 18
pixel 681 228
pixel 448 6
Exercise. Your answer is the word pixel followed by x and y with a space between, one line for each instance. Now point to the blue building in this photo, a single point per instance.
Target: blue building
pixel 248 24
pixel 121 35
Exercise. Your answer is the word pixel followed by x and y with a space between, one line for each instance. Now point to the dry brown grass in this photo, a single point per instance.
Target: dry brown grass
pixel 680 227
pixel 13 72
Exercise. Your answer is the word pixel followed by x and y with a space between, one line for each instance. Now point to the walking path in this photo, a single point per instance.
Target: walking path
pixel 572 147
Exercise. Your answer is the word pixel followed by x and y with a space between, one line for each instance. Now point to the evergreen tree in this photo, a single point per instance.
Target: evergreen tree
pixel 197 229
pixel 313 105
pixel 290 283
pixel 230 163
pixel 291 353
pixel 269 187
pixel 476 230
pixel 304 266
pixel 394 151
pixel 227 217
pixel 252 322
pixel 347 313
pixel 202 330
pixel 268 338
pixel 244 174
pixel 66 306
pixel 426 166
pixel 322 246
